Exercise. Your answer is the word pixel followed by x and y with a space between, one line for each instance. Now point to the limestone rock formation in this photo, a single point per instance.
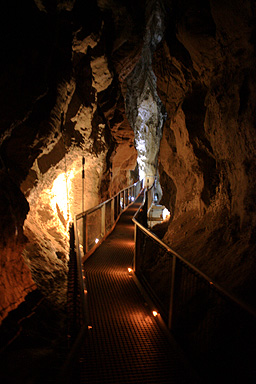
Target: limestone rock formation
pixel 69 70
pixel 14 273
pixel 61 102
pixel 206 80
pixel 143 106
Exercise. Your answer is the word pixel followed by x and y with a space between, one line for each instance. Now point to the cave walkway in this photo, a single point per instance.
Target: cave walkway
pixel 124 344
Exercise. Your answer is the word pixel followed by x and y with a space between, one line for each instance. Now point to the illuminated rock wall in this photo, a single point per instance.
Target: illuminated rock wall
pixel 60 193
pixel 14 273
pixel 143 106
pixel 62 103
pixel 206 79
pixel 67 67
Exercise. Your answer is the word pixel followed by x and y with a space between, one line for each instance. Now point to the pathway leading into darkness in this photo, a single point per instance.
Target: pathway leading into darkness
pixel 125 343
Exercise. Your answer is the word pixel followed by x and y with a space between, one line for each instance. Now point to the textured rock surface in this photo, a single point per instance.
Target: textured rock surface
pixel 14 273
pixel 143 106
pixel 60 101
pixel 67 68
pixel 206 79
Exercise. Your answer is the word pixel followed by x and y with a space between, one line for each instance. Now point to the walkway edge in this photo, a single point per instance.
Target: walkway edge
pixel 160 322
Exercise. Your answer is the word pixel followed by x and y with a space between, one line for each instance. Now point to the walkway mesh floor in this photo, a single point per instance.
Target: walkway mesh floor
pixel 125 344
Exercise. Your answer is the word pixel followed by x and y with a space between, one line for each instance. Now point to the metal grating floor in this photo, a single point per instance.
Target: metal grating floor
pixel 125 344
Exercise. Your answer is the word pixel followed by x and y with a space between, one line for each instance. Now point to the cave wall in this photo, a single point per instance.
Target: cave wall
pixel 206 80
pixel 144 108
pixel 14 273
pixel 68 67
pixel 61 100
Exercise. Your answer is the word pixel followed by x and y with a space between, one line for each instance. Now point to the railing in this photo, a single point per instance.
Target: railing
pixel 217 330
pixel 96 223
pixel 77 313
pixel 150 197
pixel 76 289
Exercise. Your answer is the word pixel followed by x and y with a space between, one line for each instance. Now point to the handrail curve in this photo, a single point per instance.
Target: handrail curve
pixel 211 281
pixel 215 329
pixel 96 223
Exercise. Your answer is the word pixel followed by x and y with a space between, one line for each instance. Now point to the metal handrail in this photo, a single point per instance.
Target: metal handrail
pixel 136 187
pixel 66 372
pixel 82 283
pixel 79 258
pixel 118 203
pixel 215 329
pixel 150 197
pixel 90 210
pixel 223 291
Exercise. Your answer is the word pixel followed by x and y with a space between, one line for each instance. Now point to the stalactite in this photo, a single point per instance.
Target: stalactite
pixel 144 108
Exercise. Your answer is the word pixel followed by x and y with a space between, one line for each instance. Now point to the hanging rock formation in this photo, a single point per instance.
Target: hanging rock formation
pixel 143 106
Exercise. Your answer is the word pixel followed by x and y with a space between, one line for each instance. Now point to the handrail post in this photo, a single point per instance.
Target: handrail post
pixel 103 220
pixel 175 289
pixel 115 207
pixel 85 234
pixel 145 210
pixel 112 211
pixel 122 201
pixel 135 247
pixel 170 317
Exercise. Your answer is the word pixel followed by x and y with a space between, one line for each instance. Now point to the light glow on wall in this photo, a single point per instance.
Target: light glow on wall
pixel 147 137
pixel 142 174
pixel 166 214
pixel 60 194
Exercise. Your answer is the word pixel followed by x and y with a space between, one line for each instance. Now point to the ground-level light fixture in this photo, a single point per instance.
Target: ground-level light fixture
pixel 155 313
pixel 129 270
pixel 96 241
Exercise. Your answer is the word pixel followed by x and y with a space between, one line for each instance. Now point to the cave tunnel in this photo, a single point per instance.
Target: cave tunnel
pixel 120 90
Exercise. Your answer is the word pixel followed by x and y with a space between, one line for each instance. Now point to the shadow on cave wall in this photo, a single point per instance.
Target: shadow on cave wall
pixel 194 109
